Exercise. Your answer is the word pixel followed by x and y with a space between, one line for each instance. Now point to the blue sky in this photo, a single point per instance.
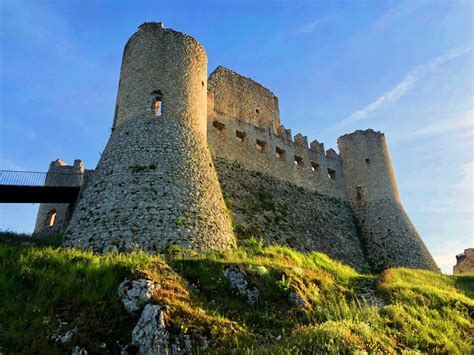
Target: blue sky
pixel 402 67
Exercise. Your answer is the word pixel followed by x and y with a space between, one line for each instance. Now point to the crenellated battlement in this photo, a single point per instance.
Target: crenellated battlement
pixel 283 157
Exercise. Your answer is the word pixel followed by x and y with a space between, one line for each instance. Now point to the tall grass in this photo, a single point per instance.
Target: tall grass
pixel 420 311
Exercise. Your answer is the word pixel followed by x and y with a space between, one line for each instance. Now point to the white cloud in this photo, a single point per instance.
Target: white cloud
pixel 309 27
pixel 395 93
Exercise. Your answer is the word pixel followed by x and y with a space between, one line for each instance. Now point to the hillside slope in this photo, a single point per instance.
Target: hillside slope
pixel 303 302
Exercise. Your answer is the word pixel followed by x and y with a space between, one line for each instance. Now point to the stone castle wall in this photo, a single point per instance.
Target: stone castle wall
pixel 155 185
pixel 54 217
pixel 256 149
pixel 232 95
pixel 283 213
pixel 159 180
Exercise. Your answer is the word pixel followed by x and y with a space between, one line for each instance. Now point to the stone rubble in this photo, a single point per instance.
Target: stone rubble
pixel 79 351
pixel 62 335
pixel 237 279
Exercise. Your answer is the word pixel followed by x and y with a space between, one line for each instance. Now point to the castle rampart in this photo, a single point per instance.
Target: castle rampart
pixel 259 149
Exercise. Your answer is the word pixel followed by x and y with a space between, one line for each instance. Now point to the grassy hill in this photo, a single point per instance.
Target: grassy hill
pixel 399 310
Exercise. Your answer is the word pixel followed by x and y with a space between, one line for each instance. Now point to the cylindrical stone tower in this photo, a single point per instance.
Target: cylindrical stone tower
pixel 155 185
pixel 390 237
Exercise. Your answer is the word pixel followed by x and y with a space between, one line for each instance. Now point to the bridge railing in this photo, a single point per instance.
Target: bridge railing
pixel 35 178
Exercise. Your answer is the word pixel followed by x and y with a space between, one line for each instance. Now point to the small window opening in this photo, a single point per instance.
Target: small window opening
pixel 157 104
pixel 241 136
pixel 367 161
pixel 359 193
pixel 219 126
pixel 332 174
pixel 299 160
pixel 52 218
pixel 202 82
pixel 257 111
pixel 280 153
pixel 261 145
pixel 315 167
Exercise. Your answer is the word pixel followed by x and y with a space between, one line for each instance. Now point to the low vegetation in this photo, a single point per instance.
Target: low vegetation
pixel 399 310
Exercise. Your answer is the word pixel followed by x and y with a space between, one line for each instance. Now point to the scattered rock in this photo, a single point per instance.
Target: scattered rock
pixel 238 281
pixel 182 345
pixel 78 351
pixel 150 334
pixel 297 300
pixel 252 296
pixel 62 335
pixel 134 294
pixel 371 299
pixel 274 338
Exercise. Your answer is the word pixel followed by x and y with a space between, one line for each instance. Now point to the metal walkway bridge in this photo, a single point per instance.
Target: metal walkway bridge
pixel 41 187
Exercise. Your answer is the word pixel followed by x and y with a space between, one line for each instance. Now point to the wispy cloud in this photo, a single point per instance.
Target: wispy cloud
pixel 311 26
pixel 396 92
pixel 463 123
pixel 400 11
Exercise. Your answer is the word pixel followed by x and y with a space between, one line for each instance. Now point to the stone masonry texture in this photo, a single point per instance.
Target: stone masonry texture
pixel 155 185
pixel 391 238
pixel 54 217
pixel 217 153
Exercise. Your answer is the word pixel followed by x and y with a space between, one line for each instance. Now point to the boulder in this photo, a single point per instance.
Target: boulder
pixel 150 335
pixel 134 294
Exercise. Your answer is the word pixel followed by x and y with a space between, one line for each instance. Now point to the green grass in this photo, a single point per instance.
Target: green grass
pixel 422 312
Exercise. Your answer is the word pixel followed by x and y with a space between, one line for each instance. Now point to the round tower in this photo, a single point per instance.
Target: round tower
pixel 155 185
pixel 391 239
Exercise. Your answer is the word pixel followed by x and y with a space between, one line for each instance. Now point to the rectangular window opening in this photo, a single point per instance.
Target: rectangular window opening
pixel 299 160
pixel 157 106
pixel 241 136
pixel 280 153
pixel 315 167
pixel 219 126
pixel 359 193
pixel 332 174
pixel 261 145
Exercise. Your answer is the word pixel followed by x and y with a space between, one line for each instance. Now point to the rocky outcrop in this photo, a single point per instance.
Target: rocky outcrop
pixel 150 334
pixel 465 262
pixel 134 294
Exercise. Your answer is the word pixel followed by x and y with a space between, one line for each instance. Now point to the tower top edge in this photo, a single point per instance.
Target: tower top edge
pixel 359 132
pixel 159 28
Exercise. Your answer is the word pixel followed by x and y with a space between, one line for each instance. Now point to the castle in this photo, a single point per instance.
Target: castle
pixel 200 162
